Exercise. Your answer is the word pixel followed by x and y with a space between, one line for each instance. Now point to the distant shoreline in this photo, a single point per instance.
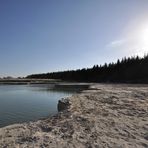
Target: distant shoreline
pixel 58 84
pixel 28 81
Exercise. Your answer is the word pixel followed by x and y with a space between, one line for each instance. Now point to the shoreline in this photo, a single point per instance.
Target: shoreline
pixel 104 115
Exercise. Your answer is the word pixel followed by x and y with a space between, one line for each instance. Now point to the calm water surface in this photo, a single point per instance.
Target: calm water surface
pixel 21 103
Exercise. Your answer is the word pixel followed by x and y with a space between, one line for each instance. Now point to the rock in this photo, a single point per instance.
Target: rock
pixel 63 104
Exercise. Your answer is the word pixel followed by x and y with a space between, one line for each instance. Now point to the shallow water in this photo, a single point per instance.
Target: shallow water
pixel 22 103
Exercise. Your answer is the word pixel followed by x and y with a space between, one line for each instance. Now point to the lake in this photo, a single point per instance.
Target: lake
pixel 23 103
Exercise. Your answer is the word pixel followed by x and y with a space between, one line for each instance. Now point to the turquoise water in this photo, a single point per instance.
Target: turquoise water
pixel 22 103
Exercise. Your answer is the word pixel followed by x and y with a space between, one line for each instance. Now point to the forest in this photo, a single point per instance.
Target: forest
pixel 127 70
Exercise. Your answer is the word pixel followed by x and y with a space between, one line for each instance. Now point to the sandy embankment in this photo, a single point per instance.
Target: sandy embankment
pixel 104 116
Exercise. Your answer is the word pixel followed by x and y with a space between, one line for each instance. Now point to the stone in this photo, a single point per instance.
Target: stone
pixel 63 104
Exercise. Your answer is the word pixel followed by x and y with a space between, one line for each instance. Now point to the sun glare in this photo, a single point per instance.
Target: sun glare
pixel 144 35
pixel 142 41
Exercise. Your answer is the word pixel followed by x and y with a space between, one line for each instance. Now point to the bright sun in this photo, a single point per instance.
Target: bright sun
pixel 144 35
pixel 142 41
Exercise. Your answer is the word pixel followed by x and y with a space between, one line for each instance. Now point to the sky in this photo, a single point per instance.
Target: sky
pixel 38 36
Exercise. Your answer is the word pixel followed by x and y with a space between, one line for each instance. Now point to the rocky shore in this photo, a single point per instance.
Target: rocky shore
pixel 113 116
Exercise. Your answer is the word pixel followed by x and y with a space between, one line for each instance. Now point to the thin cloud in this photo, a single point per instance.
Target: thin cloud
pixel 116 43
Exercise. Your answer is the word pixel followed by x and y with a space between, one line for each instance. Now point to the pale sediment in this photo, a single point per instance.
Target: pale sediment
pixel 103 116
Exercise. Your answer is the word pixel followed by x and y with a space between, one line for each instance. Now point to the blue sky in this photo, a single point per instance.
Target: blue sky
pixel 39 36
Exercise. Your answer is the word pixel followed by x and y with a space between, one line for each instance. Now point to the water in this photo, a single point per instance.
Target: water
pixel 22 103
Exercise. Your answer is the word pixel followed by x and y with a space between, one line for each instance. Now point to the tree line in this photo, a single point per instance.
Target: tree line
pixel 132 69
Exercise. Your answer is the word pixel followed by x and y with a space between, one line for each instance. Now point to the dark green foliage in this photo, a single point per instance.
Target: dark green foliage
pixel 133 70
